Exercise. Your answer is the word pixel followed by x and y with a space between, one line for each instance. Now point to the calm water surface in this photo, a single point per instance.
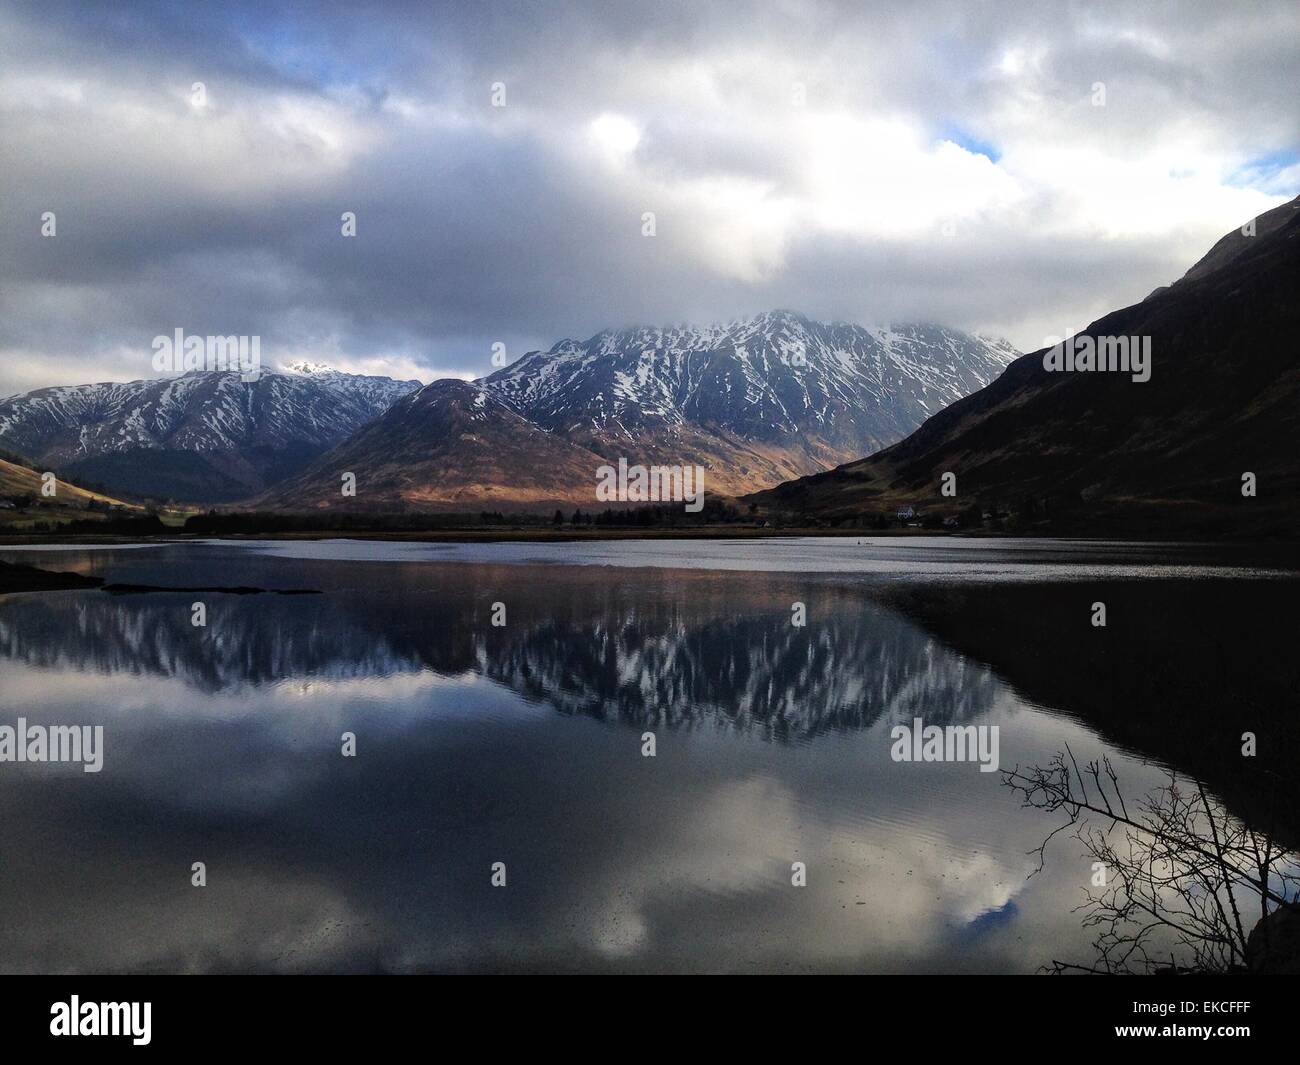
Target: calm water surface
pixel 522 744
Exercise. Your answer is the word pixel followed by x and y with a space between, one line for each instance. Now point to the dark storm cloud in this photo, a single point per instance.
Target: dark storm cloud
pixel 793 155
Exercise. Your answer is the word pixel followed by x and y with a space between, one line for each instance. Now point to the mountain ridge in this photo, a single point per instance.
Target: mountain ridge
pixel 753 402
pixel 204 436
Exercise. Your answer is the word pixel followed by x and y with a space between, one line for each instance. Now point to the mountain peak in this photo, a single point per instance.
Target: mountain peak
pixel 307 367
pixel 780 317
pixel 470 398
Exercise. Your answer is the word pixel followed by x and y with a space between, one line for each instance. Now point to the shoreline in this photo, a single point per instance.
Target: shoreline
pixel 566 535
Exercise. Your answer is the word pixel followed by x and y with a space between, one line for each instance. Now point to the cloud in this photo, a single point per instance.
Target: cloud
pixel 1021 169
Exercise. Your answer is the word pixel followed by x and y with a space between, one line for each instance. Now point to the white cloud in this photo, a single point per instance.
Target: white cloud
pixel 865 195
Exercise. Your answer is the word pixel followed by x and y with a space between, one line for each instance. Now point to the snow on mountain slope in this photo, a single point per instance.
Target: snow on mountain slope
pixel 753 403
pixel 763 381
pixel 245 431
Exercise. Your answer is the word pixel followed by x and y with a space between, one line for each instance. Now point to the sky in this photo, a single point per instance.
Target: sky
pixel 1009 168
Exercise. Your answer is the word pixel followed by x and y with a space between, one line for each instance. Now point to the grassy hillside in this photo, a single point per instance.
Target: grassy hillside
pixel 17 480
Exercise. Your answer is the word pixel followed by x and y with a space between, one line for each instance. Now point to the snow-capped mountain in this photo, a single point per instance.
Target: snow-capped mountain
pixel 754 403
pixel 204 436
pixel 764 379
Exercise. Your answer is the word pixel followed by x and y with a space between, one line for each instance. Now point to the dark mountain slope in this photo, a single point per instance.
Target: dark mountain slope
pixel 1091 451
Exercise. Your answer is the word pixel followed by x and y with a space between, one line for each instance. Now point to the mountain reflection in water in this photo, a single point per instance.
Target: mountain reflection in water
pixel 717 652
pixel 222 745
